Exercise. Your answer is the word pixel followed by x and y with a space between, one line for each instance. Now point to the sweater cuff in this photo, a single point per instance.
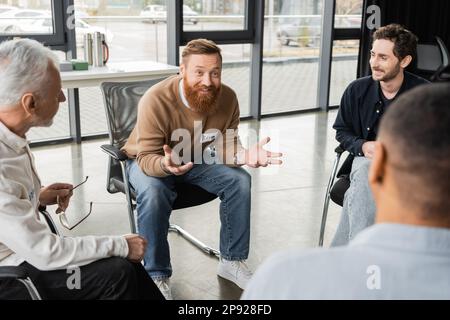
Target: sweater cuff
pixel 152 167
pixel 168 173
pixel 358 148
pixel 122 247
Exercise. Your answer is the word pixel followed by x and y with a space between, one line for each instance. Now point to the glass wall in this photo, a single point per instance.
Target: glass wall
pixel 213 15
pixel 343 68
pixel 131 35
pixel 344 64
pixel 292 33
pixel 26 17
pixel 348 13
pixel 236 73
pixel 134 30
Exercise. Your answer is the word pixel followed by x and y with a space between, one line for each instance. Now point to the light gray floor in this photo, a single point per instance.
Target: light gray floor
pixel 286 205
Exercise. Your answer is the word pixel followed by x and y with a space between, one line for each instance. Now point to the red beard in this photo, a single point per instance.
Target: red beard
pixel 201 102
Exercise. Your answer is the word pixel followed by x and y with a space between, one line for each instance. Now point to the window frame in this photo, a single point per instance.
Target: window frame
pixel 57 40
pixel 245 36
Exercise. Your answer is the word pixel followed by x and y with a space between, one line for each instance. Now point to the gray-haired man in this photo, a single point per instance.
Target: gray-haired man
pixel 29 97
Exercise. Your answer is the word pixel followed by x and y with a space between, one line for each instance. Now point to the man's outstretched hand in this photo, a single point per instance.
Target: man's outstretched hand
pixel 169 165
pixel 256 156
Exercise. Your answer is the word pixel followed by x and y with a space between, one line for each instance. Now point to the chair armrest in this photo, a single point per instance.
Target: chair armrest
pixel 13 273
pixel 339 149
pixel 114 152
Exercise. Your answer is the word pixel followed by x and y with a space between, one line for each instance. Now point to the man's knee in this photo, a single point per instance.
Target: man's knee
pixel 116 278
pixel 118 268
pixel 155 190
pixel 360 168
pixel 241 180
pixel 117 262
pixel 154 185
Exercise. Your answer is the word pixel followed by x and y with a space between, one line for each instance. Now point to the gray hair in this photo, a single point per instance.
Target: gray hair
pixel 23 68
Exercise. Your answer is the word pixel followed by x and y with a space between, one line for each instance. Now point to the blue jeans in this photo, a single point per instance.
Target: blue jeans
pixel 359 209
pixel 155 197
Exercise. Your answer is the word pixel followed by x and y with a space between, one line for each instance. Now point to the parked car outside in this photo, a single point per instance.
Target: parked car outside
pixel 189 15
pixel 4 8
pixel 154 13
pixel 304 30
pixel 347 21
pixel 19 21
pixel 24 21
pixel 158 13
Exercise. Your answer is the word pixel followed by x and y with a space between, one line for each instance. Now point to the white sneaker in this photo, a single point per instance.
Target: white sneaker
pixel 235 271
pixel 164 286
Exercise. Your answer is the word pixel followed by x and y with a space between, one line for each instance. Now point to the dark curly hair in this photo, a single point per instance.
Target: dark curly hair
pixel 405 42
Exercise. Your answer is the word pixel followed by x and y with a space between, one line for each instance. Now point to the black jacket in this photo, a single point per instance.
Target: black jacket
pixel 361 109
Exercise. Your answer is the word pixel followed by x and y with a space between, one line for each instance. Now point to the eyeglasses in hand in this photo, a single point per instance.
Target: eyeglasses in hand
pixel 62 216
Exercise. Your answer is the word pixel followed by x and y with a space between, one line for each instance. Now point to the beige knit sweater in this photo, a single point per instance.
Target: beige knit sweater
pixel 161 112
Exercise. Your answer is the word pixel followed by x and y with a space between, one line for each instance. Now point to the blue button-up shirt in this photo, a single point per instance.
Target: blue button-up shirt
pixel 385 261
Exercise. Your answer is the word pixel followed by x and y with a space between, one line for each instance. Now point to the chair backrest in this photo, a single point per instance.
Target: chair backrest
pixel 444 52
pixel 443 73
pixel 428 57
pixel 121 100
pixel 431 58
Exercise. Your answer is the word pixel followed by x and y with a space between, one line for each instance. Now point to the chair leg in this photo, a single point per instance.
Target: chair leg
pixel 194 241
pixel 327 198
pixel 172 227
pixel 324 219
pixel 34 294
pixel 175 228
pixel 130 208
pixel 50 222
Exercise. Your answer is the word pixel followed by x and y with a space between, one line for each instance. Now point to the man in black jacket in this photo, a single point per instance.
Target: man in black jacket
pixel 363 104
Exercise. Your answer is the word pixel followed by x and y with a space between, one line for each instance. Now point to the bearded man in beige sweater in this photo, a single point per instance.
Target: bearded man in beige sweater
pixel 186 132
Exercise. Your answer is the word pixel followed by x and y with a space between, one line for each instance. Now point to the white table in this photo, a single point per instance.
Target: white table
pixel 117 71
pixel 112 72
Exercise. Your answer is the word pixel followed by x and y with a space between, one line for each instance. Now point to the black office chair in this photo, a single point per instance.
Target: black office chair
pixel 121 100
pixel 431 57
pixel 443 72
pixel 442 75
pixel 336 190
pixel 20 274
